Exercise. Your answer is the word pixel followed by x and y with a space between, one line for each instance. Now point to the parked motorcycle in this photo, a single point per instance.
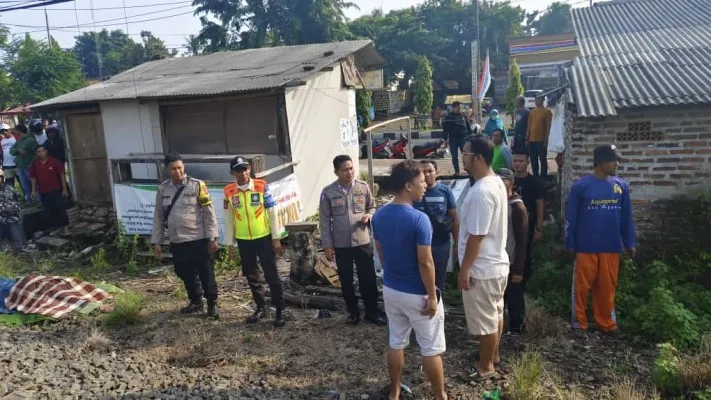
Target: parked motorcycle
pixel 380 149
pixel 399 148
pixel 434 149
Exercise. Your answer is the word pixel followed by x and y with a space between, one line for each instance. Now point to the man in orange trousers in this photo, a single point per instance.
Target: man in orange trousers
pixel 599 226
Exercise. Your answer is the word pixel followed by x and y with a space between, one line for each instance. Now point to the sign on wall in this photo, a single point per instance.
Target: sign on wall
pixel 135 205
pixel 348 127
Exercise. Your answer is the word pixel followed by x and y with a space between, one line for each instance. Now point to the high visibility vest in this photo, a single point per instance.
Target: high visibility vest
pixel 248 211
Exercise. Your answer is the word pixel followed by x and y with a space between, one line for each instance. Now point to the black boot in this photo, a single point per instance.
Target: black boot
pixel 258 314
pixel 192 308
pixel 279 319
pixel 353 318
pixel 213 312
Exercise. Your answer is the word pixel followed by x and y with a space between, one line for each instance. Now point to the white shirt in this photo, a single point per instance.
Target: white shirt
pixel 485 213
pixel 8 160
pixel 41 138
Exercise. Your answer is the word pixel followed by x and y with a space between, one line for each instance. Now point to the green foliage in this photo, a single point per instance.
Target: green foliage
pixel 10 266
pixel 364 100
pixel 527 373
pixel 39 71
pixel 224 264
pixel 515 88
pixel 423 86
pixel 127 309
pixel 99 264
pixel 665 318
pixel 554 21
pixel 665 373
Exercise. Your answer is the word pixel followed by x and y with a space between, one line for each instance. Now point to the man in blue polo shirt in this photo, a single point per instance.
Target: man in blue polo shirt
pixel 403 238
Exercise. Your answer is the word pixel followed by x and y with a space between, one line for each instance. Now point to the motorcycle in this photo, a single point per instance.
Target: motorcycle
pixel 399 148
pixel 380 149
pixel 434 149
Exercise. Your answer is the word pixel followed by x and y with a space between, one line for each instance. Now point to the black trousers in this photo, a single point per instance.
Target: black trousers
pixel 249 251
pixel 196 267
pixel 514 297
pixel 53 204
pixel 365 267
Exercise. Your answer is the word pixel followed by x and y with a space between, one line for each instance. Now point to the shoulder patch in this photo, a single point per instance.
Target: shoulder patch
pixel 204 195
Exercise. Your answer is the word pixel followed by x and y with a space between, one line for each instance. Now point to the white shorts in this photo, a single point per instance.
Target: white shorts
pixel 484 305
pixel 404 311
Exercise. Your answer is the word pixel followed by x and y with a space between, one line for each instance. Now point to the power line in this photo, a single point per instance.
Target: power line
pixel 109 20
pixel 107 8
pixel 34 5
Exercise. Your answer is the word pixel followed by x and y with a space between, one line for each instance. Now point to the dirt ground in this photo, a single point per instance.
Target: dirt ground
pixel 171 356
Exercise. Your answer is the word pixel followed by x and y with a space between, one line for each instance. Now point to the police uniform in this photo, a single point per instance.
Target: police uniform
pixel 340 212
pixel 252 222
pixel 191 225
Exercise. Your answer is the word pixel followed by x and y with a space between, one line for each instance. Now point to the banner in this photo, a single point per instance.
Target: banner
pixel 135 205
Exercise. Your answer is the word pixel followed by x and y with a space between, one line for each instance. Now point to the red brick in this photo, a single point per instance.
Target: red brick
pixel 695 143
pixel 656 152
pixel 705 136
pixel 631 153
pixel 681 151
pixel 669 160
pixel 682 137
pixel 703 151
pixel 664 168
pixel 654 176
pixel 664 183
pixel 687 167
pixel 680 176
pixel 702 175
pixel 639 160
pixel 631 175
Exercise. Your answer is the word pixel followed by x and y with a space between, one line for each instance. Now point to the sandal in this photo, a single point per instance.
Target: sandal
pixel 476 376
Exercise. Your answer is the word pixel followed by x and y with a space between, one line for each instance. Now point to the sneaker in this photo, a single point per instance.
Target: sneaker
pixel 258 314
pixel 192 308
pixel 279 320
pixel 213 312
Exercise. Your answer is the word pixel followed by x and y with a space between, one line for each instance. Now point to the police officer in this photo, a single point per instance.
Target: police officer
pixel 184 209
pixel 251 220
pixel 344 213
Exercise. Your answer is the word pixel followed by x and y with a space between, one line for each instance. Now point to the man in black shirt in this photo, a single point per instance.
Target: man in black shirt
pixel 533 194
pixel 521 126
pixel 456 128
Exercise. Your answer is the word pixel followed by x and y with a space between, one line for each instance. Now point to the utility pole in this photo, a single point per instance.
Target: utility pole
pixel 476 104
pixel 46 21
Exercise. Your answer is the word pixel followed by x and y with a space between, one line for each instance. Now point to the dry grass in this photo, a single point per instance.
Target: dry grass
pixel 541 325
pixel 695 370
pixel 127 309
pixel 627 389
pixel 97 340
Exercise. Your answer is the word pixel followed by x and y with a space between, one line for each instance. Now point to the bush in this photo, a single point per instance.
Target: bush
pixel 678 374
pixel 665 373
pixel 127 309
pixel 528 373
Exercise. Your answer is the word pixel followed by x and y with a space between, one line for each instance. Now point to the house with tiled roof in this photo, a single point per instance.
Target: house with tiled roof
pixel 642 82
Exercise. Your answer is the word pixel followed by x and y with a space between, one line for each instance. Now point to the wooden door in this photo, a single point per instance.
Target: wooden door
pixel 89 162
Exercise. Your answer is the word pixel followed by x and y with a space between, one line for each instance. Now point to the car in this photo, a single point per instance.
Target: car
pixel 530 96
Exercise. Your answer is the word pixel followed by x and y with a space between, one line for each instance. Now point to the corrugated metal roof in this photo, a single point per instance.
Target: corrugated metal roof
pixel 221 73
pixel 637 53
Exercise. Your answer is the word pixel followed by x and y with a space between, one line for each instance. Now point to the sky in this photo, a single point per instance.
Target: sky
pixel 171 21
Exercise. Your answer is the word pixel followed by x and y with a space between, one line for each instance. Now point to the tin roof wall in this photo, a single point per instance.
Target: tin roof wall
pixel 221 73
pixel 637 53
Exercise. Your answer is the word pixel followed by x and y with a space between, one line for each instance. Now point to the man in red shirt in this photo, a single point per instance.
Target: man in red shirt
pixel 47 174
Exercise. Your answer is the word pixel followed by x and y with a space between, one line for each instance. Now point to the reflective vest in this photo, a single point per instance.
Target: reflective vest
pixel 248 210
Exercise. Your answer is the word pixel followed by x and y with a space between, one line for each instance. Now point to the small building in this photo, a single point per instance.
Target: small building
pixel 292 109
pixel 643 83
pixel 540 59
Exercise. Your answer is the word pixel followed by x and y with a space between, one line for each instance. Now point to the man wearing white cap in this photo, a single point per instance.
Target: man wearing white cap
pixel 8 160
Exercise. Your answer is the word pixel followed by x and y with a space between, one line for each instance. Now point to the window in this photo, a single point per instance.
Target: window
pixel 639 131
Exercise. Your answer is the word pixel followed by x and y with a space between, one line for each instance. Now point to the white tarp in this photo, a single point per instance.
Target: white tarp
pixel 556 142
pixel 135 204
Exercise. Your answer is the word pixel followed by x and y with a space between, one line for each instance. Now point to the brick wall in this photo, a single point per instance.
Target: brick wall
pixel 678 162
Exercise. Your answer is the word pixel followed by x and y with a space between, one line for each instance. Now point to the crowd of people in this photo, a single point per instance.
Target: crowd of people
pixel 491 238
pixel 34 156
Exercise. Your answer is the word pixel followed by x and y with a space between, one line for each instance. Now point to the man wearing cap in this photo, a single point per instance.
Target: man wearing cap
pixel 251 221
pixel 516 240
pixel 599 226
pixel 184 212
pixel 8 160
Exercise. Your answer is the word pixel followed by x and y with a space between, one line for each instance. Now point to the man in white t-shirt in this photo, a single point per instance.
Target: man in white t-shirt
pixel 8 160
pixel 483 260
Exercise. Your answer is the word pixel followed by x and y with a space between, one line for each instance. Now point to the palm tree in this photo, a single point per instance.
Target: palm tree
pixel 193 45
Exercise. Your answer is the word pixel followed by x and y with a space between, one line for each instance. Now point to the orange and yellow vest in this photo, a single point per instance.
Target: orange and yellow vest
pixel 251 220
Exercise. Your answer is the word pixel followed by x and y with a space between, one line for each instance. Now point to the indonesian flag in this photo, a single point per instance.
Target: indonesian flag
pixel 485 79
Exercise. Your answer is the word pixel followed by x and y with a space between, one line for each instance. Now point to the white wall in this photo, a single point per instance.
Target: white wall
pixel 314 112
pixel 131 127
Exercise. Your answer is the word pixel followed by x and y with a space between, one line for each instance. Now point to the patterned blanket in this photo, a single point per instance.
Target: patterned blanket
pixel 52 296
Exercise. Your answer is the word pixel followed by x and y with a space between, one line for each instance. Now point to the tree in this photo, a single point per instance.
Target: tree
pixel 193 45
pixel 154 48
pixel 364 100
pixel 554 21
pixel 515 87
pixel 423 86
pixel 40 71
